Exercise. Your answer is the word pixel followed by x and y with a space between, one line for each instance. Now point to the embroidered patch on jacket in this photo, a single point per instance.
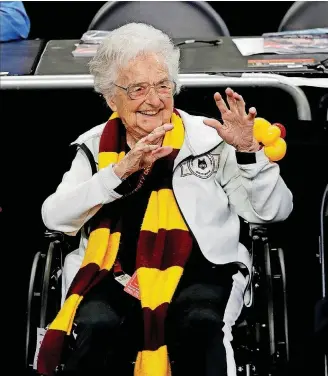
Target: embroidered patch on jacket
pixel 203 166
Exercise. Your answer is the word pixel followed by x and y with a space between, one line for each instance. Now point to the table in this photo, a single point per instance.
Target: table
pixel 57 59
pixel 20 57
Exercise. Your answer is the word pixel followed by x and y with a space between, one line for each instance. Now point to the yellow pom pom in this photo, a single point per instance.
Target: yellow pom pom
pixel 277 150
pixel 271 135
pixel 260 128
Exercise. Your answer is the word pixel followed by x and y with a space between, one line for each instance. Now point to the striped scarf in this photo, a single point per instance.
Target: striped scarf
pixel 163 248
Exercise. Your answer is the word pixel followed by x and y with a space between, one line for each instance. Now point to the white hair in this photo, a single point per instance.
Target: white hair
pixel 126 43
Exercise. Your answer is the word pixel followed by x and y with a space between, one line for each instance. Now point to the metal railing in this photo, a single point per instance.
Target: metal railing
pixel 187 80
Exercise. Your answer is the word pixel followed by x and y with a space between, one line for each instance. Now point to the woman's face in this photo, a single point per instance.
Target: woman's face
pixel 141 116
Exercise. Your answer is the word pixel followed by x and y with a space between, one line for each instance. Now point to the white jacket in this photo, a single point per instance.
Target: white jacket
pixel 211 188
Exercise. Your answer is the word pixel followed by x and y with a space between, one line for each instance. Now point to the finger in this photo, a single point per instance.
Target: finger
pixel 167 126
pixel 231 100
pixel 155 136
pixel 163 128
pixel 213 123
pixel 142 141
pixel 159 132
pixel 251 114
pixel 145 148
pixel 162 152
pixel 220 103
pixel 240 103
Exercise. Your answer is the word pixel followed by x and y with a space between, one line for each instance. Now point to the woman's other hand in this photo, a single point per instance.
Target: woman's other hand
pixel 236 128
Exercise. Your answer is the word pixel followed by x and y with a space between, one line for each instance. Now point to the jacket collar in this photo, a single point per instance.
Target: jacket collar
pixel 199 138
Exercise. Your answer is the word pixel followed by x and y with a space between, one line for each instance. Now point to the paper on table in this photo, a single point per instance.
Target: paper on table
pixel 249 46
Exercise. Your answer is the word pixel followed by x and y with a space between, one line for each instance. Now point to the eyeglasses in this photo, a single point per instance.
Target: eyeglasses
pixel 138 91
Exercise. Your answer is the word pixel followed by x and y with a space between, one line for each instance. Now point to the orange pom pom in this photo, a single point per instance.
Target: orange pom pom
pixel 282 129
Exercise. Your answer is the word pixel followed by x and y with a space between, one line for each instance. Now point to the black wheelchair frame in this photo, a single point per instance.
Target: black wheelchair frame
pixel 263 347
pixel 260 337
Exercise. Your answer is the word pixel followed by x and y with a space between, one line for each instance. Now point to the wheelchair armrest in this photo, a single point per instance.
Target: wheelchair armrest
pixel 257 232
pixel 54 235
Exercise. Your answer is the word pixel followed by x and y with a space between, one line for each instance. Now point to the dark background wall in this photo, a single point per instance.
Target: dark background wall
pixel 69 19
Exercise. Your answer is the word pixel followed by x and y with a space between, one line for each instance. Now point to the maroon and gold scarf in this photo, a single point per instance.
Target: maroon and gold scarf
pixel 163 247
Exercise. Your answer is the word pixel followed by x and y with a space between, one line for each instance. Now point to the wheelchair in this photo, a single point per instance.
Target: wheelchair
pixel 260 336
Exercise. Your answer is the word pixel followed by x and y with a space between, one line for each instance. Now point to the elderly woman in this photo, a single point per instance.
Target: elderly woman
pixel 158 281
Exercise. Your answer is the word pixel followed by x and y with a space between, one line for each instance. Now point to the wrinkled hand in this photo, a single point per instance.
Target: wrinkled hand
pixel 144 153
pixel 237 127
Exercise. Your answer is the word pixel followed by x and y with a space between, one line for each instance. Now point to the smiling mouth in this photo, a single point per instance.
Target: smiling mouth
pixel 149 113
